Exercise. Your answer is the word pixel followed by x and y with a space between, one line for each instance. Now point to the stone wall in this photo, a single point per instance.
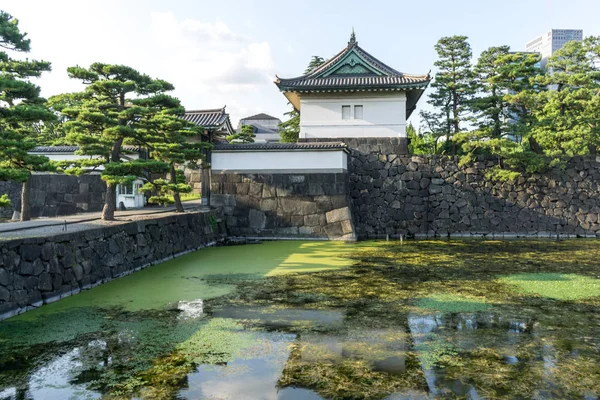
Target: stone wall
pixel 309 205
pixel 434 196
pixel 394 194
pixel 36 271
pixel 55 194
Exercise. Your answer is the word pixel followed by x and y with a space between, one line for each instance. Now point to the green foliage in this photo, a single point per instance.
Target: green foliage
pixel 290 130
pixel 420 143
pixel 245 135
pixel 566 117
pixel 453 89
pixel 502 175
pixel 5 201
pixel 119 105
pixel 314 63
pixel 165 189
pixel 20 105
pixel 167 136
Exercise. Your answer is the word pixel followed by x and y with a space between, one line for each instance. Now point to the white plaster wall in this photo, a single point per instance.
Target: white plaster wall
pixel 384 115
pixel 279 161
pixel 72 157
pixel 267 137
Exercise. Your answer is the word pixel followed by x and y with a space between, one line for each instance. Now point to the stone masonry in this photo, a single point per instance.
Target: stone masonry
pixel 56 194
pixel 309 205
pixel 394 194
pixel 36 271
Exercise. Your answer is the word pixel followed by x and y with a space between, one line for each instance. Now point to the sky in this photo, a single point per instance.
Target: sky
pixel 224 52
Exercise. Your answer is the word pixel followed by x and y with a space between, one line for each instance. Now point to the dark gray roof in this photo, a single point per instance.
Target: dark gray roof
pixel 281 146
pixel 210 119
pixel 353 69
pixel 263 129
pixel 70 149
pixel 261 116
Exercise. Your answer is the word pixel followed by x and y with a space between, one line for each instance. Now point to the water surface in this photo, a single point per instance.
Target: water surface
pixel 321 320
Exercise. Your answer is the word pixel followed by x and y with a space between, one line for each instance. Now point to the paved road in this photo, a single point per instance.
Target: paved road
pixel 78 222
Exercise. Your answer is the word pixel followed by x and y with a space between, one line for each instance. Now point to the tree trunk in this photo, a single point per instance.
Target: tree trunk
pixel 110 203
pixel 25 200
pixel 534 146
pixel 176 195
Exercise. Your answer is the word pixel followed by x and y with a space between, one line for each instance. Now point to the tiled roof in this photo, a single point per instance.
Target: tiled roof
pixel 341 73
pixel 281 146
pixel 70 149
pixel 210 119
pixel 261 116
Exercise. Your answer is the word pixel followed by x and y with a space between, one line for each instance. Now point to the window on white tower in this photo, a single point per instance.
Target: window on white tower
pixel 345 112
pixel 358 112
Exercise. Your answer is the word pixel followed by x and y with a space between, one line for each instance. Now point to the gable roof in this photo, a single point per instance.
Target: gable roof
pixel 212 119
pixel 261 116
pixel 354 70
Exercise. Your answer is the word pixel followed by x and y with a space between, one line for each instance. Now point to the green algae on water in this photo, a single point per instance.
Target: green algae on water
pixel 556 286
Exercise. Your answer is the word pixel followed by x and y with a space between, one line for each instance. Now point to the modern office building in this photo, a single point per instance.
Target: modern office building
pixel 551 41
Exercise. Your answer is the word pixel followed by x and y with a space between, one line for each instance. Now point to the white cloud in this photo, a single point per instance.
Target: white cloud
pixel 210 64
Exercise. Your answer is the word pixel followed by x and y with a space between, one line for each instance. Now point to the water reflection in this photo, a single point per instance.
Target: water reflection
pixel 290 340
pixel 252 376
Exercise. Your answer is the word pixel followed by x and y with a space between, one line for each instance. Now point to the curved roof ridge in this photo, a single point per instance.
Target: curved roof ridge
pixel 383 67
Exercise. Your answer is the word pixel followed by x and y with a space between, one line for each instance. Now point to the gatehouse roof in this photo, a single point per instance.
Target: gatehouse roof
pixel 211 119
pixel 353 70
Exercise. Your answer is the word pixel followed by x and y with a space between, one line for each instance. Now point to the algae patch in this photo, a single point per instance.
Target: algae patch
pixel 555 286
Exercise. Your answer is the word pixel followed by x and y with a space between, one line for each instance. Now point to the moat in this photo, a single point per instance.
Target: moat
pixel 324 320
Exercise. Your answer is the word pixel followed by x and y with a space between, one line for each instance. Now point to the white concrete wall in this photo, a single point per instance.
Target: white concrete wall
pixel 72 157
pixel 280 161
pixel 384 115
pixel 267 137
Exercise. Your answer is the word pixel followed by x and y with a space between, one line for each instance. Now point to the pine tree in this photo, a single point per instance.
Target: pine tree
pixel 289 130
pixel 420 143
pixel 490 108
pixel 105 119
pixel 20 108
pixel 453 88
pixel 500 75
pixel 567 121
pixel 166 135
pixel 245 135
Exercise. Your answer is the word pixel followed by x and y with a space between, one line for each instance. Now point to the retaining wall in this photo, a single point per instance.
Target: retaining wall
pixel 57 194
pixel 36 271
pixel 392 193
pixel 295 205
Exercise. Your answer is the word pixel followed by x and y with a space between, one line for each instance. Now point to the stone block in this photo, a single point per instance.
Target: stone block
pixel 347 227
pixel 257 219
pixel 312 220
pixel 334 230
pixel 268 205
pixel 338 215
pixel 29 252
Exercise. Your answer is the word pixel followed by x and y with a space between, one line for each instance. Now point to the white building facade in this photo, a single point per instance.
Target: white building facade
pixel 551 41
pixel 353 95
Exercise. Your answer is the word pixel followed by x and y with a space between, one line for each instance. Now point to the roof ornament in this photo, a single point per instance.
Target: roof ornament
pixel 352 38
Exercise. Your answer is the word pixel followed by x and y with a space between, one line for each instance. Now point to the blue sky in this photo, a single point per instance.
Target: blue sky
pixel 228 52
